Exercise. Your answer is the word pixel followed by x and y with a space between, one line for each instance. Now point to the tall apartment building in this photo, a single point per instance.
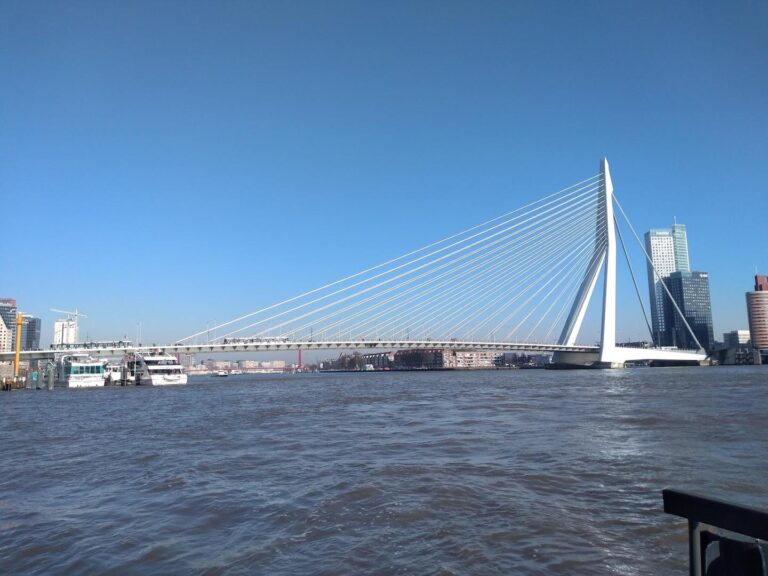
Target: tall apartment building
pixel 668 249
pixel 757 312
pixel 6 339
pixel 8 317
pixel 690 291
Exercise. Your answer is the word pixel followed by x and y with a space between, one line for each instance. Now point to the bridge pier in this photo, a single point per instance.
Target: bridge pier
pixel 578 360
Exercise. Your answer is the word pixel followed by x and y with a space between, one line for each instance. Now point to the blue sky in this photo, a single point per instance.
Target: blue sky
pixel 180 163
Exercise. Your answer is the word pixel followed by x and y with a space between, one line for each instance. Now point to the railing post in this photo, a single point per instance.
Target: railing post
pixel 694 545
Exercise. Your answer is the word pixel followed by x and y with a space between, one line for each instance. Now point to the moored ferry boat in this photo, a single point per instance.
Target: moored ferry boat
pixel 79 371
pixel 153 369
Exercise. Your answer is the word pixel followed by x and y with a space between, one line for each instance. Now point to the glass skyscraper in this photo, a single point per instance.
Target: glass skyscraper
pixel 691 293
pixel 30 333
pixel 668 249
pixel 680 242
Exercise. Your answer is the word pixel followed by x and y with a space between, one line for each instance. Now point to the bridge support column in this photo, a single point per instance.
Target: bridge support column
pixel 609 356
pixel 604 257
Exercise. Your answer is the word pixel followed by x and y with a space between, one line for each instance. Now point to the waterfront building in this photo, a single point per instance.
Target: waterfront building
pixel 757 312
pixel 668 250
pixel 379 360
pixel 8 312
pixel 187 361
pixel 218 364
pixel 467 359
pixel 440 359
pixel 30 333
pixel 426 359
pixel 65 331
pixel 736 338
pixel 690 291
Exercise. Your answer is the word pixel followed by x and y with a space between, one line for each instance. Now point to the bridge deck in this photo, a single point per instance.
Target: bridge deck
pixel 240 347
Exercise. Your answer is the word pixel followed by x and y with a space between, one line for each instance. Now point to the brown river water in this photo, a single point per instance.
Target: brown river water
pixel 492 472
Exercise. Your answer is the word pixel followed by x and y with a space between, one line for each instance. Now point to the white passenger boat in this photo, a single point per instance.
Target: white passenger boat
pixel 79 371
pixel 222 373
pixel 153 369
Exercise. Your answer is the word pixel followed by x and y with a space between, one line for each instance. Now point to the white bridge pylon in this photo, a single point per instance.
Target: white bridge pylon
pixel 609 354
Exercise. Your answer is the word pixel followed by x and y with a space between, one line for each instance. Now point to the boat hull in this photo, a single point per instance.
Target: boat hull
pixel 168 379
pixel 91 381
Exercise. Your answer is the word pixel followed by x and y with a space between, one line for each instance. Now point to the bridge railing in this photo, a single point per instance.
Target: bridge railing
pixel 723 538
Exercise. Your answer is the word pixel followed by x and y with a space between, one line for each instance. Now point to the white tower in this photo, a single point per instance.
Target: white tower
pixel 605 253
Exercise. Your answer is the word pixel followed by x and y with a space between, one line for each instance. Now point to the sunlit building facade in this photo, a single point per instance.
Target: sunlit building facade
pixel 8 317
pixel 65 331
pixel 6 339
pixel 668 250
pixel 690 291
pixel 757 312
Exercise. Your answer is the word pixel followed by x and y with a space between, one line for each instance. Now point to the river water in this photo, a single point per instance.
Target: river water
pixel 508 472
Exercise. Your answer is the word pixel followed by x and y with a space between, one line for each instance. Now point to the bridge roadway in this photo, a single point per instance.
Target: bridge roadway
pixel 271 346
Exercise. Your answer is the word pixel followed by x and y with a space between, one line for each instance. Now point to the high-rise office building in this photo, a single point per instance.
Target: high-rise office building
pixel 8 316
pixel 690 291
pixel 757 312
pixel 668 250
pixel 30 333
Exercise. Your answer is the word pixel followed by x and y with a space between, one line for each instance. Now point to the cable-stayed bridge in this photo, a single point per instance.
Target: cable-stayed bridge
pixel 519 282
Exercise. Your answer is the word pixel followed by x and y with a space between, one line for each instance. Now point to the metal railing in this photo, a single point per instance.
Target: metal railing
pixel 723 538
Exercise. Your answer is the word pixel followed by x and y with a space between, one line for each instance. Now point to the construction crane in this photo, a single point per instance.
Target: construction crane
pixel 71 316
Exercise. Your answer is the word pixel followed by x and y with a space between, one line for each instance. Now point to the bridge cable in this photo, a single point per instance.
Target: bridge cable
pixel 663 284
pixel 544 266
pixel 393 260
pixel 406 273
pixel 634 281
pixel 530 262
pixel 519 324
pixel 441 293
pixel 448 273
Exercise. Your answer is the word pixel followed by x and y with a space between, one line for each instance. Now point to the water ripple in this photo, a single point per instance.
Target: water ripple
pixel 518 472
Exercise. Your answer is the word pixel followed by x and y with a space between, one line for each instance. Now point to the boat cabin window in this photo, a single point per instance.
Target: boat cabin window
pixel 168 362
pixel 85 369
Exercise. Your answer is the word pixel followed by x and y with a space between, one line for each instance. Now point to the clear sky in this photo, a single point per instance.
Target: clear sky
pixel 180 163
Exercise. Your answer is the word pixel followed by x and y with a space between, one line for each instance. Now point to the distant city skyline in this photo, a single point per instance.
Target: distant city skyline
pixel 172 168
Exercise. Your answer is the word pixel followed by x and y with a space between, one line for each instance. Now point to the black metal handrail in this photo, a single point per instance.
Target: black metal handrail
pixel 708 518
